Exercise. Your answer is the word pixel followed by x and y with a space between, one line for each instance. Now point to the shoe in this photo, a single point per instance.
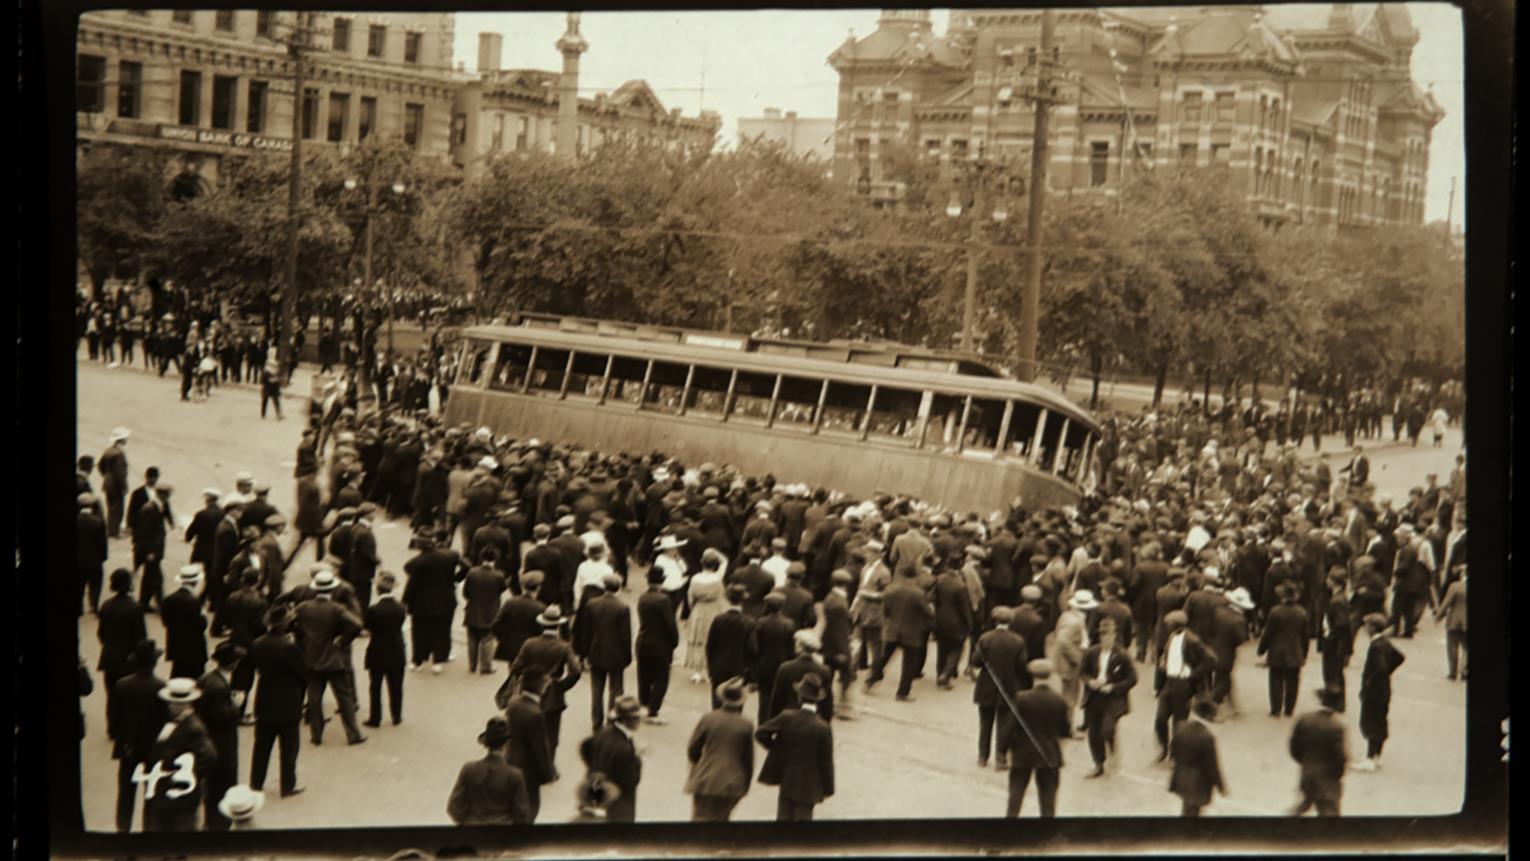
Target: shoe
pixel 435 668
pixel 904 698
pixel 374 724
pixel 943 684
pixel 296 790
pixel 1099 771
pixel 1001 764
pixel 982 762
pixel 1364 765
pixel 316 742
pixel 1163 755
pixel 360 739
pixel 843 714
pixel 655 720
pixel 415 668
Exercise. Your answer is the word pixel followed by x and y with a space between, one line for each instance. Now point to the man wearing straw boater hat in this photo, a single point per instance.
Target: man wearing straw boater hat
pixel 185 626
pixel 490 791
pixel 800 754
pixel 178 763
pixel 721 753
pixel 239 806
pixel 327 628
pixel 219 710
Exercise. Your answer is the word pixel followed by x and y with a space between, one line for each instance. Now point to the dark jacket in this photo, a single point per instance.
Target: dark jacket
pixel 554 660
pixel 953 607
pixel 774 646
pixel 189 736
pixel 799 606
pixel 657 635
pixel 1115 610
pixel 244 613
pixel 1032 628
pixel 906 616
pixel 432 586
pixel 529 749
pixel 835 610
pixel 1319 746
pixel 325 629
pixel 514 624
pixel 1285 636
pixel 281 679
pixel 757 584
pixel 611 753
pixel 731 646
pixel 721 752
pixel 1046 714
pixel 363 554
pixel 119 627
pixel 384 620
pixel 1229 630
pixel 557 576
pixel 90 540
pixel 139 713
pixel 1196 769
pixel 800 756
pixel 783 693
pixel 603 633
pixel 482 590
pixel 1121 675
pixel 185 626
pixel 220 716
pixel 489 791
pixel 1381 659
pixel 1004 652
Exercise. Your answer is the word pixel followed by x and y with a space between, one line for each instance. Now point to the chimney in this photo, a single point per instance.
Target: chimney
pixel 489 45
pixel 791 116
pixel 772 113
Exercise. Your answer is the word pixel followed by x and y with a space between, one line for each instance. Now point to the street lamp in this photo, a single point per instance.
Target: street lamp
pixel 398 188
pixel 976 175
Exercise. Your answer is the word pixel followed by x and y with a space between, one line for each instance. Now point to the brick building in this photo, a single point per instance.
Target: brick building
pixel 501 111
pixel 1311 109
pixel 214 83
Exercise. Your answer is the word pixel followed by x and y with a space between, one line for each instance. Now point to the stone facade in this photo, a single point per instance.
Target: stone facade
pixel 802 136
pixel 1312 110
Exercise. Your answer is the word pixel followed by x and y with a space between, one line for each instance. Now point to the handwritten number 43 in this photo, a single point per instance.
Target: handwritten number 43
pixel 183 779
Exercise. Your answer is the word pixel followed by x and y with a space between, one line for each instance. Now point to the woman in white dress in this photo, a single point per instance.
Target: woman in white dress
pixel 706 594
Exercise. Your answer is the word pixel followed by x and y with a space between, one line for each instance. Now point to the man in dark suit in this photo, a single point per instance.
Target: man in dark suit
pixel 384 661
pixel 1000 658
pixel 1115 610
pixel 1321 749
pixel 554 659
pixel 219 710
pixel 258 510
pixel 1382 658
pixel 835 611
pixel 799 601
pixel 1336 638
pixel 282 681
pixel 325 629
pixel 516 621
pixel 731 648
pixel 201 534
pixel 149 546
pixel 226 545
pixel 137 712
pixel 907 620
pixel 181 762
pixel 1197 771
pixel 113 466
pixel 1034 746
pixel 611 751
pixel 657 638
pixel 1184 663
pixel 774 646
pixel 721 753
pixel 363 560
pixel 482 591
pixel 1285 642
pixel 1108 675
pixel 556 575
pixel 528 749
pixel 1169 598
pixel 756 581
pixel 799 754
pixel 1029 622
pixel 1003 585
pixel 603 639
pixel 185 626
pixel 119 628
pixel 1229 630
pixel 491 790
pixel 90 552
pixel 953 624
pixel 431 597
pixel 783 694
pixel 1147 578
pixel 141 495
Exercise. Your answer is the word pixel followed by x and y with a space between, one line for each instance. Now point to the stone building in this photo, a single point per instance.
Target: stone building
pixel 214 83
pixel 803 136
pixel 1312 110
pixel 499 111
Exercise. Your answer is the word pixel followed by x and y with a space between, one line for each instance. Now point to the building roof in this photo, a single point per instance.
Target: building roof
pixel 1223 32
pixel 636 93
pixel 896 43
pixel 1405 96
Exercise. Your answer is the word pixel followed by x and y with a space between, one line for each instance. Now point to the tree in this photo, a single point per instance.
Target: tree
pixel 121 195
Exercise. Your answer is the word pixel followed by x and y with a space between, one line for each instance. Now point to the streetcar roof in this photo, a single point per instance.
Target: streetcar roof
pixel 943 382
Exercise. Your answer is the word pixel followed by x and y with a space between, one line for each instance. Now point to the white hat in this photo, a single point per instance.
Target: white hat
pixel 670 542
pixel 244 478
pixel 533 442
pixel 191 573
pixel 1239 598
pixel 489 463
pixel 212 491
pixel 1083 599
pixel 1212 573
pixel 323 579
pixel 241 803
pixel 483 433
pixel 120 433
pixel 180 690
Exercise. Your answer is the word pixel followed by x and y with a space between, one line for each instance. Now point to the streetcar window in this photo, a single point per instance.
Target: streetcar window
pixel 589 370
pixel 944 419
pixel 510 366
pixel 751 396
pixel 709 388
pixel 547 374
pixel 798 405
pixel 1022 428
pixel 665 386
pixel 895 415
pixel 982 429
pixel 844 410
pixel 626 379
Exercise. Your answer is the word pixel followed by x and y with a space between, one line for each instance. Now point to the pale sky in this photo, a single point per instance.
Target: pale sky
pixel 739 63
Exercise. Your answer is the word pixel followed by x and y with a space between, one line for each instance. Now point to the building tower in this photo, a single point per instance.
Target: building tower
pixel 571 45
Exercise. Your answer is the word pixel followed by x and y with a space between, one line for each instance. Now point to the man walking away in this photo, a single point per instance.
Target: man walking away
pixel 721 753
pixel 1197 771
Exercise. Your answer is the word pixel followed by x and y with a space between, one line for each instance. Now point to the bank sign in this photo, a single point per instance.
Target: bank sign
pixel 214 137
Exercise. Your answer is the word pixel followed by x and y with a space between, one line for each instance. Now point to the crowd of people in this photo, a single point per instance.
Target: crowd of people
pixel 1200 531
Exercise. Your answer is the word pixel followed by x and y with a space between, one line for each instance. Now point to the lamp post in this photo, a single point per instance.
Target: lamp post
pixel 398 188
pixel 976 176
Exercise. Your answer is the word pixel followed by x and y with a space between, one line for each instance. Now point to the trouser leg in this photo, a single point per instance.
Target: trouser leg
pixel 260 757
pixel 1276 685
pixel 290 738
pixel 1292 683
pixel 1190 810
pixel 374 698
pixel 985 731
pixel 645 673
pixel 1046 791
pixel 1373 747
pixel 1328 808
pixel 1019 782
pixel 1094 733
pixel 474 635
pixel 127 794
pixel 913 659
pixel 218 783
pixel 114 512
pixel 1455 652
pixel 418 640
pixel 659 684
pixel 395 680
pixel 343 683
pixel 879 667
pixel 598 677
pixel 315 712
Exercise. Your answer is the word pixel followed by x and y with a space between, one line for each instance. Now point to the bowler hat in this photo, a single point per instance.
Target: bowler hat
pixel 278 616
pixel 495 733
pixel 611 582
pixel 626 708
pixel 656 574
pixel 809 689
pixel 228 652
pixel 731 692
pixel 121 580
pixel 144 652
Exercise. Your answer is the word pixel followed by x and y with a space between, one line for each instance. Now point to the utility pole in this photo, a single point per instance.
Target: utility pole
pixel 295 49
pixel 969 336
pixel 1030 304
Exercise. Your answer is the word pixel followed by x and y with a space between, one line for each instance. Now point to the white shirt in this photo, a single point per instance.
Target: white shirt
pixel 776 567
pixel 592 537
pixel 1104 667
pixel 1174 663
pixel 674 572
pixel 591 572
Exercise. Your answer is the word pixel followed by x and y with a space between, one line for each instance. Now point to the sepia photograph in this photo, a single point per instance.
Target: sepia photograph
pixel 532 418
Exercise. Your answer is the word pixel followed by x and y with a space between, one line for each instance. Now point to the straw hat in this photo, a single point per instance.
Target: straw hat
pixel 1083 599
pixel 241 803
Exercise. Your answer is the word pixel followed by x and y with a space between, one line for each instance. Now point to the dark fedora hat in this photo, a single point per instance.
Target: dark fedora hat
pixel 809 689
pixel 228 652
pixel 731 692
pixel 495 733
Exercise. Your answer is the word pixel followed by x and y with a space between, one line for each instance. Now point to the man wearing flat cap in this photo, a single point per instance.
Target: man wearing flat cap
pixel 219 710
pixel 1034 741
pixel 799 756
pixel 431 597
pixel 516 620
pixel 799 601
pixel 179 762
pixel 1285 643
pixel 721 754
pixel 149 525
pixel 90 551
pixel 1000 658
pixel 1184 663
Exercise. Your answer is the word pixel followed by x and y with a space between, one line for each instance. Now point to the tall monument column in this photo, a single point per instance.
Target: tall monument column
pixel 571 45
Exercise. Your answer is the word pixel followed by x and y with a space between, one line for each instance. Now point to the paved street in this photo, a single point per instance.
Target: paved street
pixel 895 760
